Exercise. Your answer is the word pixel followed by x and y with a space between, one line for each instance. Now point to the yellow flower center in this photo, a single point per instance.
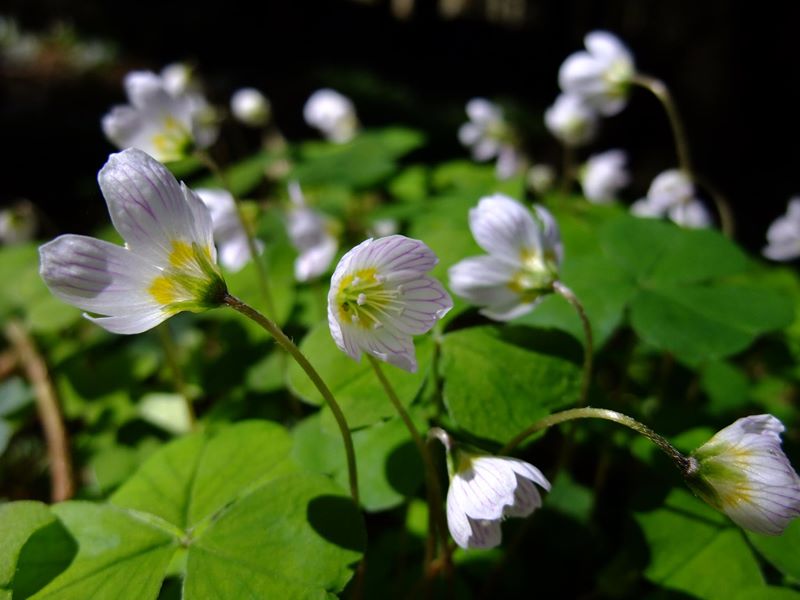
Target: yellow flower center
pixel 173 141
pixel 190 282
pixel 363 298
pixel 536 276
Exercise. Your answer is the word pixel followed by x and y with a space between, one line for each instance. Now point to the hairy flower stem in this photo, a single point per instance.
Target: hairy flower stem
pixel 659 89
pixel 588 351
pixel 55 433
pixel 250 235
pixel 682 462
pixel 290 347
pixel 432 480
pixel 171 356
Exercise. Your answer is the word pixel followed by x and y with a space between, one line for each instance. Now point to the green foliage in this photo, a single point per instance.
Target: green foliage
pixel 497 381
pixel 689 332
pixel 354 384
pixel 695 550
pixel 230 512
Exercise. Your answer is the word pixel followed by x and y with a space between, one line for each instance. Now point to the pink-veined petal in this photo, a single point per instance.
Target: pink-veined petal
pixel 150 209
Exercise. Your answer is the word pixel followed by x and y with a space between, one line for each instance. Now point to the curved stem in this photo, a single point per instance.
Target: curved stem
pixel 250 235
pixel 727 221
pixel 659 89
pixel 588 412
pixel 288 345
pixel 55 433
pixel 432 480
pixel 588 349
pixel 171 355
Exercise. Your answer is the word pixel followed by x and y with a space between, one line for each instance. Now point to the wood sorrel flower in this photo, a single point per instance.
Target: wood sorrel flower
pixel 604 175
pixel 672 194
pixel 571 120
pixel 601 74
pixel 251 107
pixel 743 472
pixel 525 254
pixel 310 233
pixel 489 136
pixel 380 297
pixel 333 114
pixel 783 236
pixel 229 234
pixel 486 489
pixel 168 264
pixel 166 124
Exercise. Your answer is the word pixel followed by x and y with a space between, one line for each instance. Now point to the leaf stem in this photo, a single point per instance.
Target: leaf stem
pixel 588 348
pixel 588 412
pixel 431 478
pixel 288 345
pixel 250 235
pixel 47 405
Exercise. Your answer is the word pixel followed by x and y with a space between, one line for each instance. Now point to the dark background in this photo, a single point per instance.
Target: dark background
pixel 732 67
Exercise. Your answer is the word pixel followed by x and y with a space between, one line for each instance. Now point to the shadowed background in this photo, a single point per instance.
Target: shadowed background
pixel 731 67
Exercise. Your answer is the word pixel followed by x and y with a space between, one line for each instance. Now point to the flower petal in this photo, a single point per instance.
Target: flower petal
pixel 150 209
pixel 103 278
pixel 424 302
pixel 484 280
pixel 393 254
pixel 504 228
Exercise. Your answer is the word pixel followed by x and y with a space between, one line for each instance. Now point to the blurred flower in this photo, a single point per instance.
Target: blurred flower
pixel 601 75
pixel 783 236
pixel 604 175
pixel 571 120
pixel 380 297
pixel 229 234
pixel 384 227
pixel 541 178
pixel 165 125
pixel 743 472
pixel 177 78
pixel 311 235
pixel 250 107
pixel 17 223
pixel 333 114
pixel 525 254
pixel 672 194
pixel 168 263
pixel 486 489
pixel 489 136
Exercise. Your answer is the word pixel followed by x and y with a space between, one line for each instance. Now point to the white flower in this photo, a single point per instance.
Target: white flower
pixel 541 178
pixel 486 489
pixel 672 194
pixel 165 125
pixel 571 120
pixel 311 235
pixel 333 114
pixel 168 263
pixel 251 107
pixel 604 175
pixel 601 75
pixel 783 236
pixel 177 78
pixel 17 223
pixel 380 297
pixel 743 472
pixel 229 234
pixel 525 253
pixel 384 227
pixel 489 136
